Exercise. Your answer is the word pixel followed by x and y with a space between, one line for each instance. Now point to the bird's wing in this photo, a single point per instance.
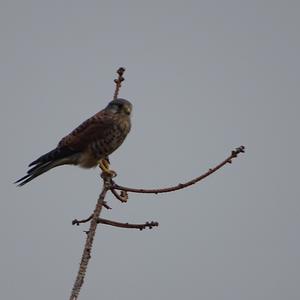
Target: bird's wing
pixel 94 128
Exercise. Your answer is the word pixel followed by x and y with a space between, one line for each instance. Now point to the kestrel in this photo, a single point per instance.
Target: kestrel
pixel 89 144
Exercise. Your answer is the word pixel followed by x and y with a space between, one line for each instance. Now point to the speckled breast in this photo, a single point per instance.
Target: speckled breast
pixel 113 138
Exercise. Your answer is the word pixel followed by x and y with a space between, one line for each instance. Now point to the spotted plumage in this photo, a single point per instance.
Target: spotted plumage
pixel 86 145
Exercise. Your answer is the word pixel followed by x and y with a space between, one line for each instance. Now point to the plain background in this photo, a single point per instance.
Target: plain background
pixel 204 77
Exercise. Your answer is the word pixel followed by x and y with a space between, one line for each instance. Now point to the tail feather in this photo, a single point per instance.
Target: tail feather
pixel 59 152
pixel 36 171
pixel 54 158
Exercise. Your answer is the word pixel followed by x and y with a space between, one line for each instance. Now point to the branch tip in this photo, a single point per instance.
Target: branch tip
pixel 121 71
pixel 118 82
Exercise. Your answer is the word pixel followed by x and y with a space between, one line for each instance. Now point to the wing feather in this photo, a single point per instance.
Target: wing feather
pixel 92 129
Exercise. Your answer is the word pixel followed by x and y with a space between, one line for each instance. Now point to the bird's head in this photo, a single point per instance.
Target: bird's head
pixel 119 106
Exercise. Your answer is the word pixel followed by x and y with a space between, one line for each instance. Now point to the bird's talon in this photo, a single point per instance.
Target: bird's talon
pixel 104 166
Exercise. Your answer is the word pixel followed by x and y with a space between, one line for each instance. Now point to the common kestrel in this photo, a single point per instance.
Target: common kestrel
pixel 90 143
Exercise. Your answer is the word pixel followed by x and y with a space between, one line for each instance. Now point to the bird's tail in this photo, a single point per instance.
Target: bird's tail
pixel 52 159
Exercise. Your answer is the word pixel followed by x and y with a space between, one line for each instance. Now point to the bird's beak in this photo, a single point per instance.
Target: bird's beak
pixel 127 110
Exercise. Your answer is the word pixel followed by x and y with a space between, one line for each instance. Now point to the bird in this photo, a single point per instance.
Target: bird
pixel 88 145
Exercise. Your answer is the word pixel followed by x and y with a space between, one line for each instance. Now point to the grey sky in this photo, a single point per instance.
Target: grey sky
pixel 204 78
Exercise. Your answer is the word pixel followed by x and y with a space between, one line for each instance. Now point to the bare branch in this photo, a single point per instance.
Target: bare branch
pixel 118 82
pixel 150 225
pixel 180 186
pixel 89 240
pixel 77 222
pixel 117 224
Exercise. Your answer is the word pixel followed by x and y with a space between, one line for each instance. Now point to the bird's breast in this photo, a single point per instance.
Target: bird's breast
pixel 105 144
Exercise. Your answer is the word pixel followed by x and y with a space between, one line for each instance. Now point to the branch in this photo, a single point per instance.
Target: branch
pixel 89 240
pixel 128 225
pixel 118 82
pixel 180 186
pixel 107 181
pixel 117 224
pixel 77 222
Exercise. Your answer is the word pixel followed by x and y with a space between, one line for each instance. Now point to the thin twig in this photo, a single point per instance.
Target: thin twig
pixel 180 186
pixel 105 205
pixel 89 241
pixel 77 222
pixel 150 225
pixel 118 82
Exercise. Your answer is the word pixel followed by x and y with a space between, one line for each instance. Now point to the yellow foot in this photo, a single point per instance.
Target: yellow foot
pixel 104 166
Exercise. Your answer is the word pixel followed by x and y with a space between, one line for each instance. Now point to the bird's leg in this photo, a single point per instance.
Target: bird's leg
pixel 104 166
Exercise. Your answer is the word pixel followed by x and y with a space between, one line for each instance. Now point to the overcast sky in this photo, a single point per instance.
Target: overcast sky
pixel 204 77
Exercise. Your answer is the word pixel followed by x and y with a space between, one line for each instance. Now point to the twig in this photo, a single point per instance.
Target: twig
pixel 118 81
pixel 105 205
pixel 89 240
pixel 150 225
pixel 123 196
pixel 180 186
pixel 77 222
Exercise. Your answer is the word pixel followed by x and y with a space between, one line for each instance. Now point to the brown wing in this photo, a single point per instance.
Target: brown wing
pixel 96 127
